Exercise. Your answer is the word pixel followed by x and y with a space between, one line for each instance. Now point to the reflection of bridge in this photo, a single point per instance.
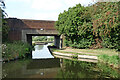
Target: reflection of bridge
pixel 23 29
pixel 44 68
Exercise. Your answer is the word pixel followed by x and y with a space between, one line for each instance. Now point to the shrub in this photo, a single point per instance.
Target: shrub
pixel 15 50
pixel 94 26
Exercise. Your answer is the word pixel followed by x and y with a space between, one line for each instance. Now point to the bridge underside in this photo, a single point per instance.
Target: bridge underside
pixel 27 35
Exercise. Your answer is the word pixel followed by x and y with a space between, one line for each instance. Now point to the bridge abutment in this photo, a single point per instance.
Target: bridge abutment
pixel 29 39
pixel 57 41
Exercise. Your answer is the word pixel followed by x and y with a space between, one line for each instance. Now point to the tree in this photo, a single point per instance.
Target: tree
pixel 106 27
pixel 5 28
pixel 75 24
pixel 95 26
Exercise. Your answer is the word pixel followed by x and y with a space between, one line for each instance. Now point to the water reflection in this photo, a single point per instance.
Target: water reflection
pixel 45 68
pixel 43 63
pixel 56 68
pixel 80 69
pixel 39 47
pixel 41 52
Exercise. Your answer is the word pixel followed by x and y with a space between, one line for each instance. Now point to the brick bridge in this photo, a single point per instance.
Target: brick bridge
pixel 24 29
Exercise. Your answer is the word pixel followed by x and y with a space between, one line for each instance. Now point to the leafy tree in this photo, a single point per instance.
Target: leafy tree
pixel 105 24
pixel 73 24
pixel 95 26
pixel 5 28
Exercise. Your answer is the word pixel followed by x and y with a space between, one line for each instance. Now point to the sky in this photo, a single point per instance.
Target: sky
pixel 40 9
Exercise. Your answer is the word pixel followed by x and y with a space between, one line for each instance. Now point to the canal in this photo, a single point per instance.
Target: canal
pixel 44 65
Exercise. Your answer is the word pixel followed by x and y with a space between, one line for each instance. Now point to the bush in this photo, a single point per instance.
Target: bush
pixel 15 50
pixel 94 26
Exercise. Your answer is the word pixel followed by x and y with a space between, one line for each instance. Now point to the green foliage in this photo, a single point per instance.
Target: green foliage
pixel 109 59
pixel 75 56
pixel 105 24
pixel 39 38
pixel 107 72
pixel 76 26
pixel 94 26
pixel 5 30
pixel 80 69
pixel 5 27
pixel 15 50
pixel 51 38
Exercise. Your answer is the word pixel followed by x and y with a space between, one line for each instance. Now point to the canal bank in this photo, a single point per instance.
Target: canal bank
pixel 15 50
pixel 76 56
pixel 106 56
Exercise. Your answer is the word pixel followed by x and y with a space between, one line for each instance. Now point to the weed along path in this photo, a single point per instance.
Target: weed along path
pixel 76 56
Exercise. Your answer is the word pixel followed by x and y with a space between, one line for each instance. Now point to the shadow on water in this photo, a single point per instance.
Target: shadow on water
pixel 43 63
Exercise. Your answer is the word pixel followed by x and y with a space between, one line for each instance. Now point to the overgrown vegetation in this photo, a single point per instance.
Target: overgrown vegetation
pixel 94 26
pixel 15 50
pixel 111 60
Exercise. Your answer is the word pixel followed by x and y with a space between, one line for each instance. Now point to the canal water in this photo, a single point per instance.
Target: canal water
pixel 44 65
pixel 41 52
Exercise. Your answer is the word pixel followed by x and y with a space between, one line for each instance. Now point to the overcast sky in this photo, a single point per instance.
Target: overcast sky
pixel 40 9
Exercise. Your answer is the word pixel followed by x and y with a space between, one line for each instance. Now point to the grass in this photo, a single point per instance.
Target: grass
pixel 57 50
pixel 72 53
pixel 109 52
pixel 111 60
pixel 94 52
